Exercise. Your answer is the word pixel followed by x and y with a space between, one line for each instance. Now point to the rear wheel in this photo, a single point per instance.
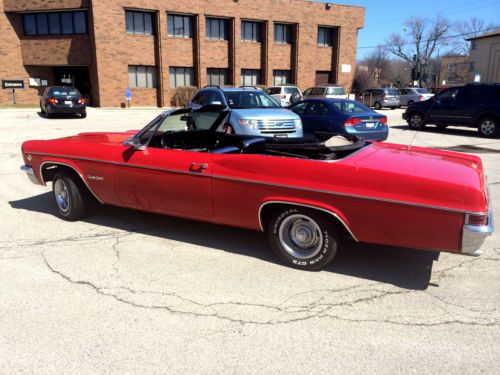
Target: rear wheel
pixel 83 115
pixel 377 105
pixel 488 127
pixel 302 238
pixel 416 121
pixel 72 198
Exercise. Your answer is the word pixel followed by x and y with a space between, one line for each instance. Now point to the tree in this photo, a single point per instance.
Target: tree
pixel 418 48
pixel 469 29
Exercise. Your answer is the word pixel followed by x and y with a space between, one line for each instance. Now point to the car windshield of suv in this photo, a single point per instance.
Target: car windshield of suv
pixel 291 90
pixel 250 99
pixel 351 107
pixel 63 91
pixel 422 91
pixel 392 92
pixel 335 91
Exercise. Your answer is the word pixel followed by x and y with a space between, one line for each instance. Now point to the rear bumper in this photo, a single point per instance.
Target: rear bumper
pixel 372 135
pixel 30 173
pixel 80 108
pixel 473 236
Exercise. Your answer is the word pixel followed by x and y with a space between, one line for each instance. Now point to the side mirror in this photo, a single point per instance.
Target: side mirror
pixel 133 142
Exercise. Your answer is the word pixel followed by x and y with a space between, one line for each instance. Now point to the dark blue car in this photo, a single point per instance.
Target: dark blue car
pixel 341 116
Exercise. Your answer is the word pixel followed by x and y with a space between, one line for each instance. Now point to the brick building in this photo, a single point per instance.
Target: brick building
pixel 485 58
pixel 454 70
pixel 153 46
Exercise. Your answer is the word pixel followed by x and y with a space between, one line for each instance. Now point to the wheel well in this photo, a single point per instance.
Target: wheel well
pixel 49 170
pixel 485 115
pixel 267 211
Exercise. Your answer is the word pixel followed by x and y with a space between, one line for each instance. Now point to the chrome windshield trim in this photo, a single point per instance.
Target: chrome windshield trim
pixel 219 177
pixel 308 206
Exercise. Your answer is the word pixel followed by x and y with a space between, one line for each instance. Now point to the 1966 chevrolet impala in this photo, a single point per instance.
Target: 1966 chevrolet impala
pixel 306 194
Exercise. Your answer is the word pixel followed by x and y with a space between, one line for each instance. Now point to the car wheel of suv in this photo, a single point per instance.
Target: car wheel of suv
pixel 83 115
pixel 416 121
pixel 488 127
pixel 302 238
pixel 377 105
pixel 72 200
pixel 409 102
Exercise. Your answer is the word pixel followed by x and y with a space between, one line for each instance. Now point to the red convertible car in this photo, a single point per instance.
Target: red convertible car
pixel 307 194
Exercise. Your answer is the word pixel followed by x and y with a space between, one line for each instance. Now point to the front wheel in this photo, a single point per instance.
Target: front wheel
pixel 488 127
pixel 378 106
pixel 416 121
pixel 71 198
pixel 302 238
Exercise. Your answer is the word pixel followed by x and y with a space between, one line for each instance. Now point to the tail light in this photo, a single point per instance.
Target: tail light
pixel 52 100
pixel 421 97
pixel 283 96
pixel 352 121
pixel 476 220
pixel 384 97
pixel 383 120
pixel 82 101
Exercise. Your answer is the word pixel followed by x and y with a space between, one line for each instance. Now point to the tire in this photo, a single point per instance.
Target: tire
pixel 488 127
pixel 393 108
pixel 416 121
pixel 302 238
pixel 71 197
pixel 83 115
pixel 409 103
pixel 377 106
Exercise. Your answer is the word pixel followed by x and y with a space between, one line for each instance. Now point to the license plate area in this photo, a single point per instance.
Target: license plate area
pixel 369 125
pixel 68 102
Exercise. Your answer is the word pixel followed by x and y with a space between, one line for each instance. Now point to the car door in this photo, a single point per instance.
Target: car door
pixel 316 118
pixel 469 101
pixel 403 96
pixel 300 109
pixel 171 181
pixel 442 109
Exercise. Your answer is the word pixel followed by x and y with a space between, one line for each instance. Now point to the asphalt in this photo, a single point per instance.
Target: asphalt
pixel 130 292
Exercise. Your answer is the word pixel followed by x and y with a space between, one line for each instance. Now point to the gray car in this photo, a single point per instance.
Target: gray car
pixel 252 111
pixel 380 97
pixel 408 95
pixel 325 92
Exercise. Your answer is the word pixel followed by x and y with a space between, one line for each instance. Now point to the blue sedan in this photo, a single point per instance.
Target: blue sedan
pixel 341 116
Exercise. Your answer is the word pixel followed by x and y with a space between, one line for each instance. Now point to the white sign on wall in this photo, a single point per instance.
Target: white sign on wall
pixel 477 77
pixel 346 68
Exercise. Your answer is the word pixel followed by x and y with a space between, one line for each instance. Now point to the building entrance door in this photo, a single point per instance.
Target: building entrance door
pixel 75 76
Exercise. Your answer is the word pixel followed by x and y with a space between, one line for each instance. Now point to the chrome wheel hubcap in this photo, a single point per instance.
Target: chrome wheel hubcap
pixel 487 127
pixel 300 236
pixel 415 121
pixel 62 195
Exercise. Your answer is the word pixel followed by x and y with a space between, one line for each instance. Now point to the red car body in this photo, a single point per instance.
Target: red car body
pixel 383 193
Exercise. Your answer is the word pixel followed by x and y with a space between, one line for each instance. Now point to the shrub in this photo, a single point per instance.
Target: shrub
pixel 182 95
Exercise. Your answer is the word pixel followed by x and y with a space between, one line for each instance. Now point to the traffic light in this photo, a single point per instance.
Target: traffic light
pixel 413 74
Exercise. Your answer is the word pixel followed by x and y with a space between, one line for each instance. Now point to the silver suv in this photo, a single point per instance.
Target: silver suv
pixel 410 95
pixel 380 97
pixel 285 95
pixel 325 92
pixel 252 111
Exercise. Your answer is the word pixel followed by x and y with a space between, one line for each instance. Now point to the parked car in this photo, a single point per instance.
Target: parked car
pixel 325 92
pixel 473 105
pixel 252 111
pixel 341 116
pixel 437 89
pixel 410 95
pixel 380 97
pixel 62 99
pixel 285 95
pixel 306 194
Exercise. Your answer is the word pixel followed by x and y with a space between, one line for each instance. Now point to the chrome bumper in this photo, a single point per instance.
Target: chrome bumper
pixel 29 172
pixel 473 236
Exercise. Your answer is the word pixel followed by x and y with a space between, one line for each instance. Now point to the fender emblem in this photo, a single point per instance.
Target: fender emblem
pixel 95 178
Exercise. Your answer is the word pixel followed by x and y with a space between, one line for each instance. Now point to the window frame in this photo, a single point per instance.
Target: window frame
pixel 287 33
pixel 185 69
pixel 283 73
pixel 325 36
pixel 148 69
pixel 209 21
pixel 50 18
pixel 258 77
pixel 256 31
pixel 171 17
pixel 142 13
pixel 221 72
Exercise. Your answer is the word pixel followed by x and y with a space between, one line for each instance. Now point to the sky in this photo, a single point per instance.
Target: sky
pixel 384 17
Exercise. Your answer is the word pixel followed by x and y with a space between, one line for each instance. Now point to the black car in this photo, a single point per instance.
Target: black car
pixel 62 99
pixel 341 116
pixel 473 105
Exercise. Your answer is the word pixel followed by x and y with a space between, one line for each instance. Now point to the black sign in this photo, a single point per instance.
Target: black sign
pixel 12 84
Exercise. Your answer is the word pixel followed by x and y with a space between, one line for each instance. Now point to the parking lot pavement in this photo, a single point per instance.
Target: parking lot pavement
pixel 130 292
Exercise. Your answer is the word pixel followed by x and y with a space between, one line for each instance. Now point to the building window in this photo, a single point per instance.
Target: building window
pixel 180 76
pixel 179 26
pixel 282 33
pixel 55 23
pixel 325 36
pixel 139 22
pixel 281 77
pixel 217 28
pixel 473 44
pixel 141 76
pixel 251 31
pixel 250 77
pixel 217 76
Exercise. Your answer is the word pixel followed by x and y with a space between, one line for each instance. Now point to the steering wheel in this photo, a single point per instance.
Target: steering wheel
pixel 173 141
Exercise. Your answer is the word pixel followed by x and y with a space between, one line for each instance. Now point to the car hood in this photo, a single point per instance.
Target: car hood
pixel 423 176
pixel 265 113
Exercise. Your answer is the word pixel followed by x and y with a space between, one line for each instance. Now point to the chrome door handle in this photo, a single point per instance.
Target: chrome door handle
pixel 198 167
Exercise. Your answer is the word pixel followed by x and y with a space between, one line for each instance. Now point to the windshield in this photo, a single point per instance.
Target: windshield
pixel 63 91
pixel 291 90
pixel 392 92
pixel 422 91
pixel 250 99
pixel 351 107
pixel 335 91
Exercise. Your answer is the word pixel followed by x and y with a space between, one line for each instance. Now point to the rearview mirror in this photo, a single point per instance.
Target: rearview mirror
pixel 134 142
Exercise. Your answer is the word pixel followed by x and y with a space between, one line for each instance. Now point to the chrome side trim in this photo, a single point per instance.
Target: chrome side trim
pixel 308 206
pixel 29 172
pixel 73 168
pixel 268 184
pixel 473 236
